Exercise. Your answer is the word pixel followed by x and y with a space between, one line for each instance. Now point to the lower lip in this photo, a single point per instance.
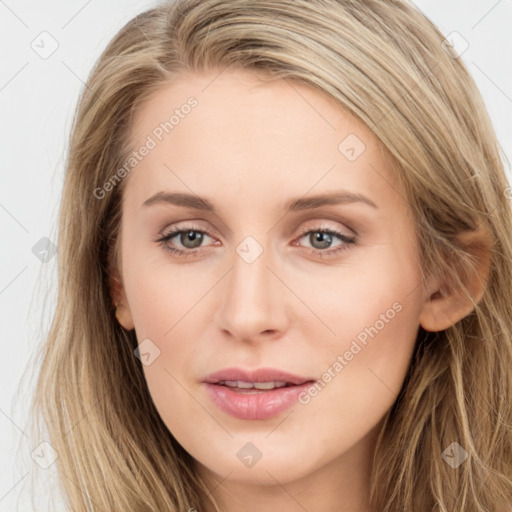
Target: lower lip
pixel 258 405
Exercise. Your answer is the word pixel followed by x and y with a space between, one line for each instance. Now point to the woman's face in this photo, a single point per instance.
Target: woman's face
pixel 263 170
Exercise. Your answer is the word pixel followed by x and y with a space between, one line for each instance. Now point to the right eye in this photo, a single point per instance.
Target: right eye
pixel 189 237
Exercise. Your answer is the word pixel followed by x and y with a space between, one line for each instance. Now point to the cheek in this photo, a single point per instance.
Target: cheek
pixel 372 311
pixel 362 370
pixel 381 291
pixel 163 295
pixel 167 304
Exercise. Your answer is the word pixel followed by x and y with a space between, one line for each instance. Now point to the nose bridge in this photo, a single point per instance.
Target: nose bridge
pixel 251 303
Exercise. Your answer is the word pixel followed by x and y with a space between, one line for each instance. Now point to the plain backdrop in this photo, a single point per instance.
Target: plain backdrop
pixel 47 50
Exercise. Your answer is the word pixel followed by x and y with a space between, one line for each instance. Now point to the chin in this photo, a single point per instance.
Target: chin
pixel 265 471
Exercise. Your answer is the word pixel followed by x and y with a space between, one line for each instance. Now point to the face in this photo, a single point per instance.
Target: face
pixel 291 249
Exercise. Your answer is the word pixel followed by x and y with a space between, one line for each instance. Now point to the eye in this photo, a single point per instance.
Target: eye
pixel 322 239
pixel 189 237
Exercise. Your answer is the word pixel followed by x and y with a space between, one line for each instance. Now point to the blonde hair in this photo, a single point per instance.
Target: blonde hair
pixel 384 62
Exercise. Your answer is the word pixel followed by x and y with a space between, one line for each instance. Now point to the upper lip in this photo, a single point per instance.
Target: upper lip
pixel 256 375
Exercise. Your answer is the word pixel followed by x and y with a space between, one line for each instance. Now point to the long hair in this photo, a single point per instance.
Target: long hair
pixel 386 64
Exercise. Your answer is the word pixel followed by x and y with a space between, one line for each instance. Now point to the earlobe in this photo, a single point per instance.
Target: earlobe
pixel 123 313
pixel 446 304
pixel 124 316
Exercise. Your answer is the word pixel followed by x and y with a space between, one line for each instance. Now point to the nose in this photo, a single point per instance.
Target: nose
pixel 253 303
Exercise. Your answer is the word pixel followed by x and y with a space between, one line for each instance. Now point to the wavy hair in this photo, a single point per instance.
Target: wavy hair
pixel 386 64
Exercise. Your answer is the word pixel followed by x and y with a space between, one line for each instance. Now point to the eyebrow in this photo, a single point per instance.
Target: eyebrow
pixel 299 204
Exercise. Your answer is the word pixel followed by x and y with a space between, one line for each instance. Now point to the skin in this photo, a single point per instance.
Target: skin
pixel 249 147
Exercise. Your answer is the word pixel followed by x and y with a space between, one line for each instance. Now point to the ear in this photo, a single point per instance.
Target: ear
pixel 447 303
pixel 123 313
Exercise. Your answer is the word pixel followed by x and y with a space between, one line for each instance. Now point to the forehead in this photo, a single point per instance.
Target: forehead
pixel 233 134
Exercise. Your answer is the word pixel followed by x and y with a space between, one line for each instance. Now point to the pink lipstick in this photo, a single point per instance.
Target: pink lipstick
pixel 255 394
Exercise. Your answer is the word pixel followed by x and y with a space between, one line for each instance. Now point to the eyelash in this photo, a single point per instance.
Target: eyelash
pixel 348 241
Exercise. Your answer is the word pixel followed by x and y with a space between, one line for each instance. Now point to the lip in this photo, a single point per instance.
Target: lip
pixel 256 404
pixel 257 375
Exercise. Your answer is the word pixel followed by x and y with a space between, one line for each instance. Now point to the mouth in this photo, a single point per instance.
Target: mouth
pixel 239 386
pixel 257 394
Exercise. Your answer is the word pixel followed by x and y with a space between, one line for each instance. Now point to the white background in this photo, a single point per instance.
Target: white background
pixel 37 98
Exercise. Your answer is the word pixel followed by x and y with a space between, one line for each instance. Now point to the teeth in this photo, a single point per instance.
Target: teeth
pixel 257 385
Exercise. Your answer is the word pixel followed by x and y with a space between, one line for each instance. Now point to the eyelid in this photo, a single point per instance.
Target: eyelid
pixel 329 220
pixel 331 225
pixel 186 225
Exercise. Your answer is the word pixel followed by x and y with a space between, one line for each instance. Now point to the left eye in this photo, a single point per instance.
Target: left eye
pixel 324 238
